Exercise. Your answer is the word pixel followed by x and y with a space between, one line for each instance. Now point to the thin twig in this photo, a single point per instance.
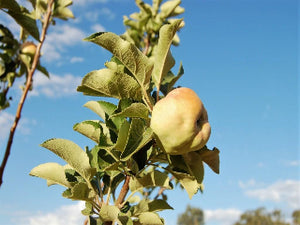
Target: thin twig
pixel 27 88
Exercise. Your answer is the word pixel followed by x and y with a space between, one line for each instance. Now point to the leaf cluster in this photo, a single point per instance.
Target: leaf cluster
pixel 126 158
pixel 14 63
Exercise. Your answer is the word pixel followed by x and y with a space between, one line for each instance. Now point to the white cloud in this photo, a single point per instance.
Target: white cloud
pixel 86 2
pixel 292 163
pixel 222 216
pixel 286 191
pixel 98 28
pixel 56 86
pixel 65 215
pixel 76 59
pixel 106 13
pixel 6 121
pixel 57 41
pixel 250 184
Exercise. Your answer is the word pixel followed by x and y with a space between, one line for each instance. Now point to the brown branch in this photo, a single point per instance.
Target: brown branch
pixel 123 192
pixel 147 44
pixel 27 88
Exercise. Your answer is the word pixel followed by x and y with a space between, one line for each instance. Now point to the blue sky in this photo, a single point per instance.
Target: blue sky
pixel 240 56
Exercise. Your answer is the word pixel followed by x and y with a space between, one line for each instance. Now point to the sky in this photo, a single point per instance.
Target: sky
pixel 240 57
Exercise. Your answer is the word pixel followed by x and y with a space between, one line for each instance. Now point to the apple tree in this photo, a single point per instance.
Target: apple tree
pixel 123 177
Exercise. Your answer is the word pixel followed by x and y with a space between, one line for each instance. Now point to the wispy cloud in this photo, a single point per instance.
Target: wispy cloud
pixel 56 86
pixel 284 191
pixel 86 2
pixel 6 121
pixel 60 38
pixel 292 163
pixel 65 215
pixel 76 59
pixel 222 216
pixel 98 28
pixel 102 13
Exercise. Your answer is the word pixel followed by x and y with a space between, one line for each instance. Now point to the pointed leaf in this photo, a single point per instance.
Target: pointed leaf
pixel 163 58
pixel 80 191
pixel 90 129
pixel 108 83
pixel 134 60
pixel 101 108
pixel 195 166
pixel 135 110
pixel 168 8
pixel 109 212
pixel 152 179
pixel 138 137
pixel 211 158
pixel 188 182
pixel 52 172
pixel 72 154
pixel 123 136
pixel 158 205
pixel 27 22
pixel 150 218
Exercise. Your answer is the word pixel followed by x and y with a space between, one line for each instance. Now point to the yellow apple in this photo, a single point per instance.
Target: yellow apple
pixel 28 48
pixel 180 122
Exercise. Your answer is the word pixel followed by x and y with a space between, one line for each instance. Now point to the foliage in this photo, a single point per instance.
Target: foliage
pixel 191 216
pixel 14 61
pixel 126 158
pixel 260 216
pixel 296 217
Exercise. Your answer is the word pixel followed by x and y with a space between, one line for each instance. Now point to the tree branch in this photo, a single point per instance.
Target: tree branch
pixel 123 192
pixel 27 88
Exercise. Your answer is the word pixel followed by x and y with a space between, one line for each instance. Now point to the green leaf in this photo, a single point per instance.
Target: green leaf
pixel 170 79
pixel 109 212
pixel 109 83
pixel 88 210
pixel 80 191
pixel 168 8
pixel 158 205
pixel 72 154
pixel 134 60
pixel 11 5
pixel 138 137
pixel 63 13
pixel 162 55
pixel 43 70
pixel 52 172
pixel 125 219
pixel 27 22
pixel 122 136
pixel 146 205
pixel 211 158
pixel 90 129
pixel 135 110
pixel 95 130
pixel 188 182
pixel 150 218
pixel 101 108
pixel 151 179
pixel 195 165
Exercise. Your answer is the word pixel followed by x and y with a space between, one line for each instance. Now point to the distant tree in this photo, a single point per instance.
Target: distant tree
pixel 296 217
pixel 261 217
pixel 191 216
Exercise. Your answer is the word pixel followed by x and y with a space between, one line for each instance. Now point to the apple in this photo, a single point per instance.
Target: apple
pixel 28 48
pixel 180 122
